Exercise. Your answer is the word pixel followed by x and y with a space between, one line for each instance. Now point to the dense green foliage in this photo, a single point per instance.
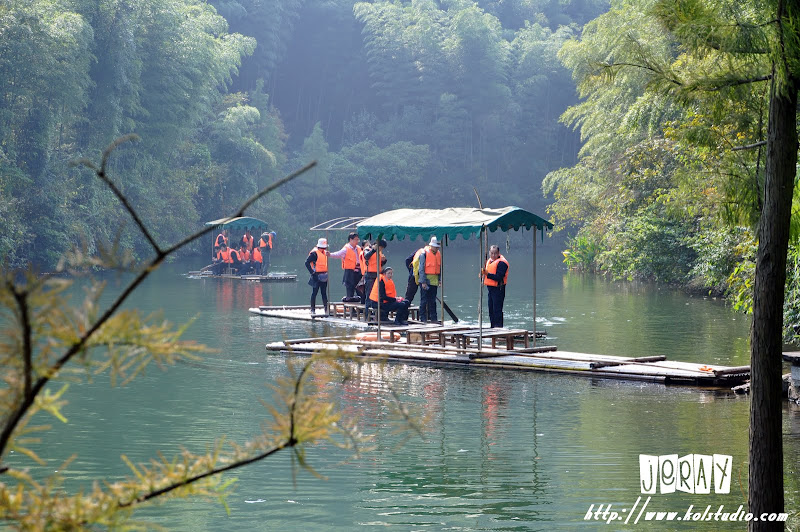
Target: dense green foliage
pixel 670 180
pixel 403 103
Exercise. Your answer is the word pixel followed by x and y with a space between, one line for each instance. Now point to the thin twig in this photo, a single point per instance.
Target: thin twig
pixel 192 480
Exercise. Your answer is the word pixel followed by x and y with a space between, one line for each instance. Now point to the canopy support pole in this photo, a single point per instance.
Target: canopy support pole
pixel 328 284
pixel 378 281
pixel 480 292
pixel 534 285
pixel 441 278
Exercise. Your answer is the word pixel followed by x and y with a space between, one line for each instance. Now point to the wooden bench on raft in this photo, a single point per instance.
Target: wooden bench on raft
pixel 358 312
pixel 463 339
pixel 433 334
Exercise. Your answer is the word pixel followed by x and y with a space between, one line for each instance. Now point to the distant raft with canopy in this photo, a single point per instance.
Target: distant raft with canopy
pixel 447 224
pixel 239 225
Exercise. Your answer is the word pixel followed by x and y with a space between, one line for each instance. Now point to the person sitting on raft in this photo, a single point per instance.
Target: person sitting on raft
pixel 222 260
pixel 387 292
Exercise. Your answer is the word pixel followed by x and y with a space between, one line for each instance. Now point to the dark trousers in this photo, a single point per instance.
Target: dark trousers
pixel 264 262
pixel 219 268
pixel 319 287
pixel 427 303
pixel 497 294
pixel 369 280
pixel 399 308
pixel 411 289
pixel 350 280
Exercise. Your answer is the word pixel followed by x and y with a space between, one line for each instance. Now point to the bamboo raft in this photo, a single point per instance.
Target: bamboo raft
pixel 269 278
pixel 459 346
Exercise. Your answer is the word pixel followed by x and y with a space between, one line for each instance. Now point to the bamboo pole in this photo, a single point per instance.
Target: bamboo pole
pixel 480 292
pixel 441 277
pixel 534 285
pixel 377 280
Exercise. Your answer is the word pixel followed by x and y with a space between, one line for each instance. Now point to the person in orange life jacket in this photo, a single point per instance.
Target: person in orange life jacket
pixel 317 266
pixel 387 292
pixel 247 240
pixel 236 260
pixel 430 268
pixel 221 261
pixel 495 276
pixel 256 260
pixel 350 255
pixel 265 245
pixel 244 256
pixel 222 238
pixel 371 270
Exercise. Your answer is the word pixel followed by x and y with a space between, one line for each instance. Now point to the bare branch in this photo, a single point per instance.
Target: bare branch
pixel 643 67
pixel 674 81
pixel 290 442
pixel 737 82
pixel 16 416
pixel 21 297
pixel 750 146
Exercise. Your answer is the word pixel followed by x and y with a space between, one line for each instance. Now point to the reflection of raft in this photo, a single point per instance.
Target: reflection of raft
pixel 269 278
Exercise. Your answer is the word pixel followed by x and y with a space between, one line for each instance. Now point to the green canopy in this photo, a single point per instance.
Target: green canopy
pixel 452 222
pixel 243 222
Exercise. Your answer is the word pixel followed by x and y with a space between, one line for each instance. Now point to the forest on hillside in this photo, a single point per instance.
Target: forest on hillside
pixel 403 104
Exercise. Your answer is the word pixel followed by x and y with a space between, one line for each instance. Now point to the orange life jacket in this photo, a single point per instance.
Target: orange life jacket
pixel 321 265
pixel 491 267
pixel 226 255
pixel 245 256
pixel 268 243
pixel 391 291
pixel 235 253
pixel 257 255
pixel 351 257
pixel 221 239
pixel 433 262
pixel 372 262
pixel 248 241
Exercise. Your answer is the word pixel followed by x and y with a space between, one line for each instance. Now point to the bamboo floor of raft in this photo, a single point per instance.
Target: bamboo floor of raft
pixel 269 278
pixel 542 358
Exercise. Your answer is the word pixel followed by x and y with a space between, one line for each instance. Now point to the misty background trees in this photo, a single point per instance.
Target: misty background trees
pixel 404 104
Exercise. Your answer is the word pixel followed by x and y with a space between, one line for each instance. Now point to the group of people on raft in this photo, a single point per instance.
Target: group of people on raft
pixel 242 258
pixel 367 283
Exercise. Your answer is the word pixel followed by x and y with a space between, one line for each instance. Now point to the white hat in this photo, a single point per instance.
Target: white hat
pixel 434 242
pixel 322 243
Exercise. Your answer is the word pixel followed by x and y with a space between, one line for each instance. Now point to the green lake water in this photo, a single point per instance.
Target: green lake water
pixel 502 450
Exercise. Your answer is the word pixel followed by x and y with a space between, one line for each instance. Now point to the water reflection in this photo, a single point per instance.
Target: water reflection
pixel 502 449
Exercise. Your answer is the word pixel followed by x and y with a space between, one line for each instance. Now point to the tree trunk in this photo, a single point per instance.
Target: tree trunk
pixel 766 444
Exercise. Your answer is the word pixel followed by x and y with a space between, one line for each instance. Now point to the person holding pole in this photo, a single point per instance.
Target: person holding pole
pixel 430 268
pixel 317 266
pixel 495 277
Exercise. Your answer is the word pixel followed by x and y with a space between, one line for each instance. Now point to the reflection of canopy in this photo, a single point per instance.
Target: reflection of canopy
pixel 462 221
pixel 243 222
